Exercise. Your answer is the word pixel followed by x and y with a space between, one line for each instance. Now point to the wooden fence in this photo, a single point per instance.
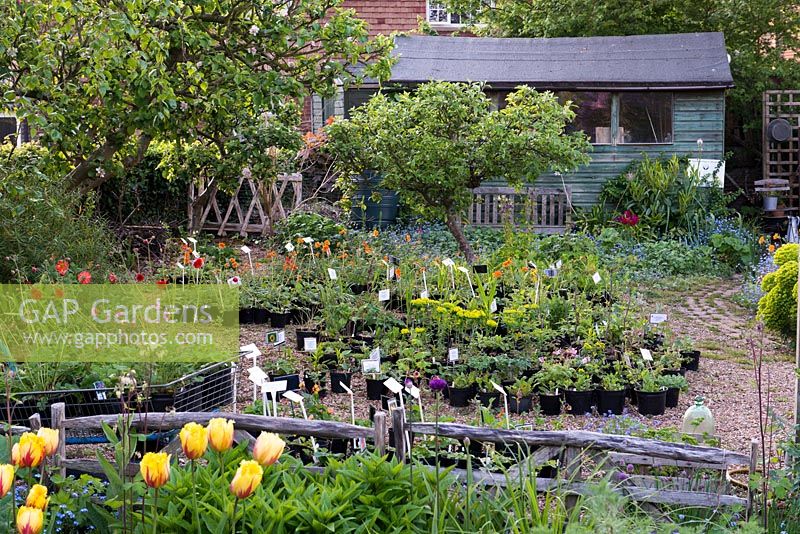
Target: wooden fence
pixel 253 208
pixel 577 454
pixel 546 211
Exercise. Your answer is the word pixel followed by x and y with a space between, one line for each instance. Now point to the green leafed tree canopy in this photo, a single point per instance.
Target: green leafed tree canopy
pixel 99 80
pixel 757 33
pixel 437 143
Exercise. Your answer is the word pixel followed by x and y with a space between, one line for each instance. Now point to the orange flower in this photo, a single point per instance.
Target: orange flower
pixel 367 248
pixel 342 231
pixel 771 249
pixel 221 245
pixel 187 257
pixel 497 274
pixel 234 263
pixel 330 120
pixel 397 272
pixel 408 238
pixel 62 266
pixel 524 269
pixel 507 263
pixel 375 233
pixel 317 244
pixel 326 247
pixel 271 254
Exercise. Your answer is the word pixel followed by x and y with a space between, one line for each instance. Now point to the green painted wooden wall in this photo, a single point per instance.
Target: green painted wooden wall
pixel 696 115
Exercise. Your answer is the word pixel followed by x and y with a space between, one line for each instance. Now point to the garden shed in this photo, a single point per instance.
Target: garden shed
pixel 633 95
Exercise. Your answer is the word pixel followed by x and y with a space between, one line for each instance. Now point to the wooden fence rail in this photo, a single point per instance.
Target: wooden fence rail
pixel 546 211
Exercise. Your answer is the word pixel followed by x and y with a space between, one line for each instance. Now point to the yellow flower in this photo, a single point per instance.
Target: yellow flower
pixel 29 520
pixel 29 452
pixel 220 434
pixel 491 323
pixel 6 479
pixel 194 440
pixel 155 469
pixel 762 240
pixel 405 331
pixel 37 497
pixel 50 437
pixel 776 237
pixel 342 231
pixel 268 448
pixel 375 233
pixel 246 479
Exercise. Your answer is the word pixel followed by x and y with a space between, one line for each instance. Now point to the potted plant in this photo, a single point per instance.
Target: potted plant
pixel 690 355
pixel 462 389
pixel 487 395
pixel 674 384
pixel 375 387
pixel 611 394
pixel 247 301
pixel 671 362
pixel 651 396
pixel 285 368
pixel 552 379
pixel 314 377
pixel 343 372
pixel 521 395
pixel 579 395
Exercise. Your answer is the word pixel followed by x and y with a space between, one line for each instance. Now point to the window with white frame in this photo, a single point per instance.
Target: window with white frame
pixel 438 14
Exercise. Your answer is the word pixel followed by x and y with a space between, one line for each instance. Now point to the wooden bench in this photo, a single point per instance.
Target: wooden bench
pixel 547 211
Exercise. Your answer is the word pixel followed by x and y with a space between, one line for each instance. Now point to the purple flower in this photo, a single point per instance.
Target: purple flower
pixel 629 468
pixel 621 476
pixel 437 383
pixel 408 382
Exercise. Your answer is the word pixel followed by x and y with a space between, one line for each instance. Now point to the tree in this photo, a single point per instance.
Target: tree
pixel 434 145
pixel 758 33
pixel 99 80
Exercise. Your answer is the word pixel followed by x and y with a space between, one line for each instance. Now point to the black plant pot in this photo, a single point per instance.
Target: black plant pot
pixel 309 384
pixel 279 319
pixel 489 399
pixel 246 316
pixel 292 381
pixel 652 403
pixel 260 316
pixel 610 401
pixel 302 335
pixel 480 269
pixel 550 404
pixel 357 289
pixel 520 405
pixel 460 397
pixel 630 393
pixel 337 377
pixel 691 359
pixel 674 372
pixel 375 388
pixel 580 402
pixel 673 394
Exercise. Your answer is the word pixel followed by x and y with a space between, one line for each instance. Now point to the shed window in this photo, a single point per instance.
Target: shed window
pixel 645 118
pixel 438 14
pixel 8 130
pixel 592 114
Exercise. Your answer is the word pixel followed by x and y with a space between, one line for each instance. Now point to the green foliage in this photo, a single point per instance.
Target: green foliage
pixel 48 224
pixel 731 250
pixel 308 224
pixel 778 307
pixel 436 144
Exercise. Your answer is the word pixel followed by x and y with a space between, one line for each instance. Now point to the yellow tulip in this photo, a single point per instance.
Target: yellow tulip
pixel 268 448
pixel 155 469
pixel 29 452
pixel 246 479
pixel 6 479
pixel 50 437
pixel 220 434
pixel 29 520
pixel 37 497
pixel 194 440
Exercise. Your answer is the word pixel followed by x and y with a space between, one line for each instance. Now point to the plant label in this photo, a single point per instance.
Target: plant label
pixel 384 295
pixel 289 247
pixel 657 318
pixel 424 294
pixel 195 254
pixel 389 272
pixel 646 355
pixel 234 281
pixel 193 241
pixel 332 274
pixel 448 262
pixel 391 404
pixel 347 389
pixel 463 269
pixel 370 366
pixel 308 240
pixel 452 354
pixel 597 278
pixel 257 376
pixel 559 264
pixel 597 329
pixel 375 354
pixel 274 387
pixel 101 395
pixel 413 391
pixel 550 273
pixel 180 266
pixel 493 306
pixel 498 387
pixel 276 337
pixel 292 396
pixel 245 249
pixel 309 344
pixel 393 385
pixel 250 350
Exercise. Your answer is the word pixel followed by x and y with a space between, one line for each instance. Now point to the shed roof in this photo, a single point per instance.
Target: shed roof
pixel 688 60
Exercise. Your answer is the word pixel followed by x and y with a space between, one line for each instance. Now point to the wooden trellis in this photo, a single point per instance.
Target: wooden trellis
pixel 782 160
pixel 253 208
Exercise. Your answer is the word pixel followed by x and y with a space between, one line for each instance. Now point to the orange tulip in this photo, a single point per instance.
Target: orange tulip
pixel 220 434
pixel 268 448
pixel 155 469
pixel 29 451
pixel 6 479
pixel 50 437
pixel 247 479
pixel 194 440
pixel 37 497
pixel 29 520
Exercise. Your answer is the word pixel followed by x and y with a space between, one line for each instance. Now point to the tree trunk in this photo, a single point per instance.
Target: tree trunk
pixel 453 222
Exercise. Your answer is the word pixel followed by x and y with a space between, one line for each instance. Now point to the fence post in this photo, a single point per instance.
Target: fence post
pixel 35 422
pixel 58 414
pixel 380 432
pixel 572 472
pixel 398 429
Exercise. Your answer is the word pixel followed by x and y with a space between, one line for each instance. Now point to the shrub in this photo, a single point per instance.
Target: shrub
pixel 306 224
pixel 778 307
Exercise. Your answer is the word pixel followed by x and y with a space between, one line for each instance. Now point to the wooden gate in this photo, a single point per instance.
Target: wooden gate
pixel 253 208
pixel 781 161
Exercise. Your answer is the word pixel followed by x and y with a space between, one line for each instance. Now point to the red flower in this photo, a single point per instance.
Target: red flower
pixel 112 278
pixel 628 218
pixel 62 266
pixel 84 277
pixel 198 263
pixel 139 277
pixel 161 282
